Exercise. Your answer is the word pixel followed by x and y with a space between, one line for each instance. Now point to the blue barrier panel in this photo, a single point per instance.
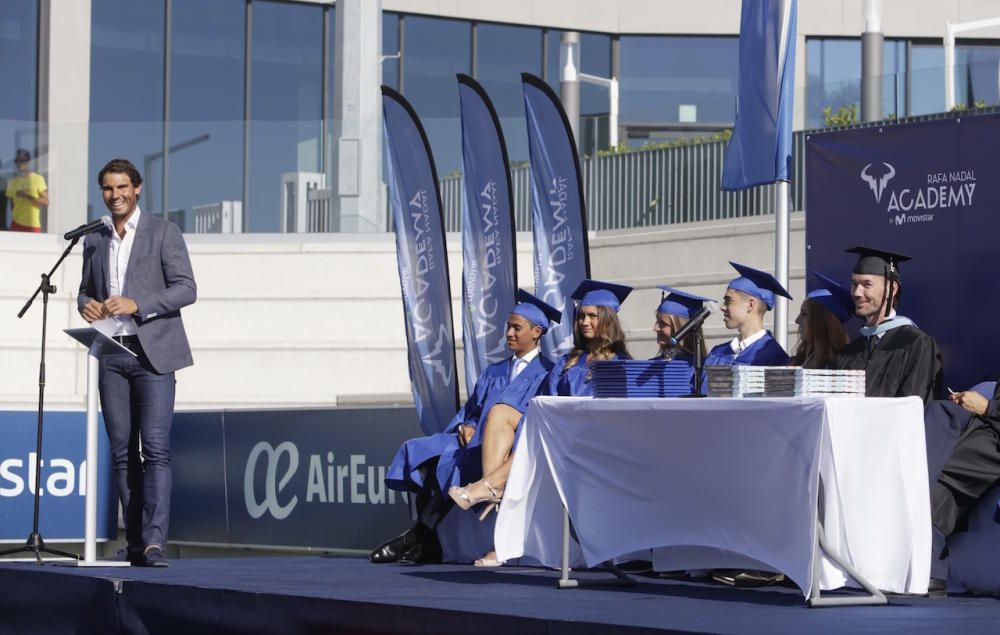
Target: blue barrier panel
pixel 289 478
pixel 929 190
pixel 63 482
pixel 198 499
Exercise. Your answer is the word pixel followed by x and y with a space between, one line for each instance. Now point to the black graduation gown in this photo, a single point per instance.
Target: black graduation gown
pixel 971 471
pixel 905 362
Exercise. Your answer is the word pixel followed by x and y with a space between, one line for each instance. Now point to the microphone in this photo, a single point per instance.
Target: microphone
pixel 692 324
pixel 83 230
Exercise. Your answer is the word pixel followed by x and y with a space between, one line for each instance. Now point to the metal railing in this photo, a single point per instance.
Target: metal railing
pixel 665 186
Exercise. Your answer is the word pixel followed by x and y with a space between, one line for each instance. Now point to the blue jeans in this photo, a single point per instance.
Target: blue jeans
pixel 138 407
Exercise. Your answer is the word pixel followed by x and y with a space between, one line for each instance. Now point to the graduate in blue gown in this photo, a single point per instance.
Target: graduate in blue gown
pixel 597 335
pixel 821 321
pixel 746 301
pixel 426 466
pixel 675 309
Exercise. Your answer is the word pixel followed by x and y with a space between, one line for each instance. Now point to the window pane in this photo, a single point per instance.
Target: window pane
pixel 206 105
pixel 18 111
pixel 126 94
pixel 19 41
pixel 286 69
pixel 976 72
pixel 390 46
pixel 894 78
pixel 435 51
pixel 833 71
pixel 504 53
pixel 675 79
pixel 927 80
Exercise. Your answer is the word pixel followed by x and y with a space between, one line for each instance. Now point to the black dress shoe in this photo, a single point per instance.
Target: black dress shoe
pixel 427 551
pixel 393 550
pixel 746 579
pixel 413 556
pixel 129 555
pixel 937 588
pixel 154 557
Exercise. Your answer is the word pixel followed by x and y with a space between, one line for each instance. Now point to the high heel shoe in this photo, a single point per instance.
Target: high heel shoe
pixel 465 500
pixel 489 560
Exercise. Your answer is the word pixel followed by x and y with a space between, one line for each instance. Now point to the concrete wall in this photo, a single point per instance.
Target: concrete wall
pixel 902 18
pixel 316 320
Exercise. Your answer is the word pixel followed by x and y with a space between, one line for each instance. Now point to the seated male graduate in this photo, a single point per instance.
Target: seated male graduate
pixel 899 359
pixel 972 470
pixel 746 301
pixel 425 466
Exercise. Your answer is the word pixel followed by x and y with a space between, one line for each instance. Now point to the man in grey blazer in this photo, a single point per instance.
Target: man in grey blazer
pixel 139 275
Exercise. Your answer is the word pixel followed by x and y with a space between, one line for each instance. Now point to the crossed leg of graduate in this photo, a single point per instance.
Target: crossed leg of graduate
pixel 497 451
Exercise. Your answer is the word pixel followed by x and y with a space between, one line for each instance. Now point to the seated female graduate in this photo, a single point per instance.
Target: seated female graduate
pixel 746 301
pixel 426 465
pixel 597 335
pixel 675 309
pixel 821 322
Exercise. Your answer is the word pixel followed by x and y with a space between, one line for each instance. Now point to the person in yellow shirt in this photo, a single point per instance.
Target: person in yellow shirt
pixel 28 193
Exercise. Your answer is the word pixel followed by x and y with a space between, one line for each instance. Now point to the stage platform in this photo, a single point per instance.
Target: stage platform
pixel 350 595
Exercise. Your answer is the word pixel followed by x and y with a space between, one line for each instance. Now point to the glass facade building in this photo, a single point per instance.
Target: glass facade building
pixel 216 101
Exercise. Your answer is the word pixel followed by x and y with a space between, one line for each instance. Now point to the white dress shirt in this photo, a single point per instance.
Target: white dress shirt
pixel 119 251
pixel 739 345
pixel 517 364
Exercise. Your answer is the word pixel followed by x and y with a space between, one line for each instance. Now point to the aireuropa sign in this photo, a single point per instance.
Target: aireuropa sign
pixel 288 478
pixel 61 482
pixel 321 479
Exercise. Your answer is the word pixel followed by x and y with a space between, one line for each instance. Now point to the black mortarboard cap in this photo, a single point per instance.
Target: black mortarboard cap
pixel 877 262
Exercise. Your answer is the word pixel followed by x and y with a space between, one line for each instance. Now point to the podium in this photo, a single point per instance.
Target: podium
pixel 99 346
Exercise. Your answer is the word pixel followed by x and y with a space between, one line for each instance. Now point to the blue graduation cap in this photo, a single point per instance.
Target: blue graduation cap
pixel 757 283
pixel 598 293
pixel 681 303
pixel 834 297
pixel 534 310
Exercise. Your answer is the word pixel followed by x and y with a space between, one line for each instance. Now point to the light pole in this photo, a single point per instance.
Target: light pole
pixel 569 87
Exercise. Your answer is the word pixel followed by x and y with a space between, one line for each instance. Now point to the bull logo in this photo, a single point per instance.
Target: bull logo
pixel 877 183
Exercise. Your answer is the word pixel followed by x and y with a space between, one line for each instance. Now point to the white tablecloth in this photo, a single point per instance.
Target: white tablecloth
pixel 722 482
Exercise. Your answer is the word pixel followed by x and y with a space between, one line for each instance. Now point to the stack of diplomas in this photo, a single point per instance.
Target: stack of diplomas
pixel 640 378
pixel 720 381
pixel 818 383
pixel 783 381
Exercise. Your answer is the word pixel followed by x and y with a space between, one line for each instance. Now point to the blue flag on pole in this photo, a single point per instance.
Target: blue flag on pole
pixel 562 259
pixel 760 150
pixel 415 204
pixel 489 274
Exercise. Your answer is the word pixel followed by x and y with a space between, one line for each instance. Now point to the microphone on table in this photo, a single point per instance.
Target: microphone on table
pixel 693 324
pixel 83 230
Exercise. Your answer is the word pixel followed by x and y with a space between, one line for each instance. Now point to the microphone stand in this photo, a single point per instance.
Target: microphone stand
pixel 35 544
pixel 698 341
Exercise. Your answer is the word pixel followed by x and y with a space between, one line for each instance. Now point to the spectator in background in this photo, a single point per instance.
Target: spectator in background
pixel 28 193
